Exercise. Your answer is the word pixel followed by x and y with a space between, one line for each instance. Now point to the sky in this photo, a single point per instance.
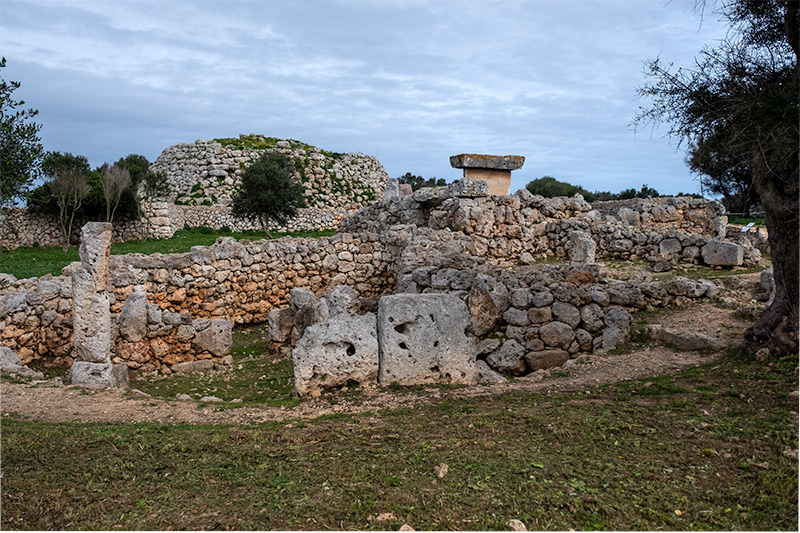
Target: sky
pixel 411 82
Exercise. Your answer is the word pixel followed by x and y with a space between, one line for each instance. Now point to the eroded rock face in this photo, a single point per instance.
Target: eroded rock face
pixel 721 253
pixel 217 338
pixel 335 351
pixel 618 327
pixel 423 339
pixel 133 318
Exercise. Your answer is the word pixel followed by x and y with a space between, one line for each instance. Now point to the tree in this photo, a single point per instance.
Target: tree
pixel 20 145
pixel 744 98
pixel 69 188
pixel 114 182
pixel 549 187
pixel 723 175
pixel 418 182
pixel 268 194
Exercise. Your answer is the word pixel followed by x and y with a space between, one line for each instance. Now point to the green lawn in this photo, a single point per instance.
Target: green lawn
pixel 27 262
pixel 703 450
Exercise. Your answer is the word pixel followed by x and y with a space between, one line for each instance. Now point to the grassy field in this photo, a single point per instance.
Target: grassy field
pixel 709 449
pixel 27 262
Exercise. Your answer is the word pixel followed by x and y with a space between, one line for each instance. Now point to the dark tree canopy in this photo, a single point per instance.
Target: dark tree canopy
pixel 739 107
pixel 20 145
pixel 268 193
pixel 418 182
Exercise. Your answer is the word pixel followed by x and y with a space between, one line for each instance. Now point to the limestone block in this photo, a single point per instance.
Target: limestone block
pixel 154 313
pixel 281 322
pixel 669 246
pixel 546 359
pixel 192 366
pixel 217 338
pixel 341 299
pixel 567 314
pixel 423 339
pixel 98 375
pixel 487 375
pixel 582 248
pixel 592 316
pixel 91 319
pixel 542 299
pixel 684 340
pixel 330 353
pixel 557 334
pixel 94 251
pixel 721 253
pixel 540 315
pixel 508 359
pixel 618 327
pixel 482 308
pixel 133 317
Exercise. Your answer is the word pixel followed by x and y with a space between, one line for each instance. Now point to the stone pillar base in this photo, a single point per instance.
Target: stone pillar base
pixel 98 375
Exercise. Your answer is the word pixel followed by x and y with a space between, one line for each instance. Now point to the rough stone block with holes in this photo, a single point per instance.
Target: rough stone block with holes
pixel 335 351
pixel 423 339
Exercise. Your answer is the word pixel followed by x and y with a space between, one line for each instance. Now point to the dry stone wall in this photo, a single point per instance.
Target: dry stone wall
pixel 431 241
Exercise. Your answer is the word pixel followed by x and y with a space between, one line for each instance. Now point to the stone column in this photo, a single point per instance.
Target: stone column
pixel 91 314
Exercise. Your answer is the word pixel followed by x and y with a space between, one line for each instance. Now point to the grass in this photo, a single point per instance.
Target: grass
pixel 28 261
pixel 743 221
pixel 700 450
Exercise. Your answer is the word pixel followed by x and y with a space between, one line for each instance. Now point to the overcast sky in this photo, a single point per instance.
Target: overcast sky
pixel 410 82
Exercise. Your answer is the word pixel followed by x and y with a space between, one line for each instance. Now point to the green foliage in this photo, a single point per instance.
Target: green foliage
pixel 267 192
pixel 151 184
pixel 549 187
pixel 418 182
pixel 20 145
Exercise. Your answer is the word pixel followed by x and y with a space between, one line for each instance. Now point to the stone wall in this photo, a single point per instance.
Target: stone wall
pixel 434 240
pixel 208 172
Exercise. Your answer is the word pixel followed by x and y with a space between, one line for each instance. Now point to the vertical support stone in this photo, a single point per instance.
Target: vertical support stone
pixel 91 314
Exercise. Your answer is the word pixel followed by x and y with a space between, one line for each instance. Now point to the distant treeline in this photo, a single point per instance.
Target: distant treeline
pixel 550 187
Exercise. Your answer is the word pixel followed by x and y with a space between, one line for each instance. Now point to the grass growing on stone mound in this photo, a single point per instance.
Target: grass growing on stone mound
pixel 257 376
pixel 29 261
pixel 707 449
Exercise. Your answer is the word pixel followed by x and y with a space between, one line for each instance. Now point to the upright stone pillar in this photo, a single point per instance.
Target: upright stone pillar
pixel 91 313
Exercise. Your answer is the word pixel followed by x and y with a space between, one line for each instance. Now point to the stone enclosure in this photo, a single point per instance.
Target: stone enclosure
pixel 441 285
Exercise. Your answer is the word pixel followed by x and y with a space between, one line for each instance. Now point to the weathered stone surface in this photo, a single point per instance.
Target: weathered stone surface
pixel 582 248
pixel 508 359
pixel 592 316
pixel 91 319
pixel 280 323
pixel 11 364
pixel 341 299
pixel 495 162
pixel 684 340
pixel 618 327
pixel 192 366
pixel 94 252
pixel 308 310
pixel 567 314
pixel 423 339
pixel 482 308
pixel 344 347
pixel 516 317
pixel 557 334
pixel 541 299
pixel 97 375
pixel 540 315
pixel 487 375
pixel 546 359
pixel 721 253
pixel 133 318
pixel 669 246
pixel 217 338
pixel 767 280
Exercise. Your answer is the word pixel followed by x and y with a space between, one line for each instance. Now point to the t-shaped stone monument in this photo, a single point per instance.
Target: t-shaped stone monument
pixel 493 169
pixel 91 314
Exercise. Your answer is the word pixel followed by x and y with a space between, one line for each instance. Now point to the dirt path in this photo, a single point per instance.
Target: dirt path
pixel 47 401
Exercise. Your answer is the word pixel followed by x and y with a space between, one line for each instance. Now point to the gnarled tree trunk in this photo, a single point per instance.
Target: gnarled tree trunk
pixel 777 328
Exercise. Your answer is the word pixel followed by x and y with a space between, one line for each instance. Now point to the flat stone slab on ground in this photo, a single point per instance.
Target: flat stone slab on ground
pixel 423 339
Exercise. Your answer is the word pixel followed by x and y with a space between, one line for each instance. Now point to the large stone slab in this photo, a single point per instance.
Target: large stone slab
pixel 493 162
pixel 333 352
pixel 133 317
pixel 98 375
pixel 423 339
pixel 721 253
pixel 217 338
pixel 94 251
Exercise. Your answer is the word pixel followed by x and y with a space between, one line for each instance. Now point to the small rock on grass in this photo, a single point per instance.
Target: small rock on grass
pixel 210 399
pixel 183 397
pixel 406 527
pixel 441 470
pixel 516 525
